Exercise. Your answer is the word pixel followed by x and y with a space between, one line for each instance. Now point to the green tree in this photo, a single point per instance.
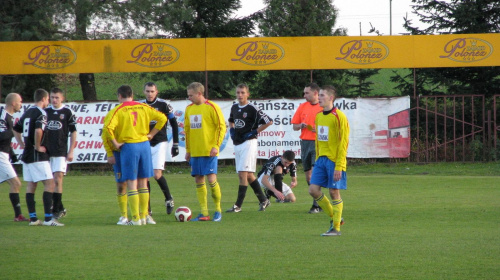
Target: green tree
pixel 298 18
pixel 203 19
pixel 363 85
pixel 456 17
pixel 26 21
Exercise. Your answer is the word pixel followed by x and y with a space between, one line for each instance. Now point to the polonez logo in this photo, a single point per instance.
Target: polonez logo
pixel 154 55
pixel 363 52
pixel 259 53
pixel 51 57
pixel 54 125
pixel 467 50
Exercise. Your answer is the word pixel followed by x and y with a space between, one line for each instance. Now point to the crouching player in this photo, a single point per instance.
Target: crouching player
pixel 271 177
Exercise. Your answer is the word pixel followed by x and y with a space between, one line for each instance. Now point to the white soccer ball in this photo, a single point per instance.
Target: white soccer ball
pixel 183 214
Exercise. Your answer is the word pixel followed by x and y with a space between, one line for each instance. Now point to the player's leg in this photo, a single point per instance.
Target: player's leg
pixel 197 171
pixel 158 153
pixel 7 173
pixel 144 171
pixel 121 190
pixel 337 203
pixel 30 202
pixel 239 154
pixel 58 165
pixel 129 161
pixel 308 155
pixel 288 193
pixel 254 184
pixel 320 178
pixel 215 188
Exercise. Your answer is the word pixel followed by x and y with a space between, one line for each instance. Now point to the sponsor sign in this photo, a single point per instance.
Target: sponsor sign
pixel 50 57
pixel 378 128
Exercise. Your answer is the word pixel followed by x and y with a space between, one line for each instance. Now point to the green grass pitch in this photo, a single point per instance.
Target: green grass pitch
pixel 397 227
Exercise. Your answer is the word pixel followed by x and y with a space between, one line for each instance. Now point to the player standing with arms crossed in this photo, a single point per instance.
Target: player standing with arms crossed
pixel 331 158
pixel 159 144
pixel 61 124
pixel 245 122
pixel 303 120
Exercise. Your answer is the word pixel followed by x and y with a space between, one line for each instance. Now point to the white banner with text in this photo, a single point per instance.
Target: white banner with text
pixel 379 128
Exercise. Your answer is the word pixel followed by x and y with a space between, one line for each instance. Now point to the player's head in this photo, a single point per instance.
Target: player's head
pixel 14 100
pixel 125 91
pixel 56 97
pixel 287 158
pixel 150 91
pixel 242 93
pixel 41 96
pixel 311 92
pixel 327 95
pixel 196 93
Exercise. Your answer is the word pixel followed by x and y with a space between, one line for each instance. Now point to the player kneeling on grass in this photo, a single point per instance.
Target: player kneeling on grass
pixel 329 172
pixel 271 177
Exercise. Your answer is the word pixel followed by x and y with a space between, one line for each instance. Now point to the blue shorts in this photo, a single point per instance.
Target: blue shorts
pixel 203 165
pixel 135 160
pixel 322 175
pixel 117 168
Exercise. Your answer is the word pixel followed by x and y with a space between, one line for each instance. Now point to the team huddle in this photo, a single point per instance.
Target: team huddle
pixel 135 139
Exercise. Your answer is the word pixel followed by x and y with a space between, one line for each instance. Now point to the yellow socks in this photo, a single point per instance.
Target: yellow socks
pixel 143 202
pixel 337 206
pixel 133 201
pixel 216 195
pixel 122 204
pixel 201 192
pixel 324 203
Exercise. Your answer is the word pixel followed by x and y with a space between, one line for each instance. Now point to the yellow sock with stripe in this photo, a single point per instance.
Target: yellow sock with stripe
pixel 216 195
pixel 201 192
pixel 338 206
pixel 324 203
pixel 143 202
pixel 122 204
pixel 133 202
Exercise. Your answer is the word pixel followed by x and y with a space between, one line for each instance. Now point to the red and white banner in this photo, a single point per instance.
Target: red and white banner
pixel 380 128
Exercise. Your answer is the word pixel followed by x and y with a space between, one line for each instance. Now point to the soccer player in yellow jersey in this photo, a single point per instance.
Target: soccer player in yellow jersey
pixel 127 127
pixel 205 128
pixel 332 130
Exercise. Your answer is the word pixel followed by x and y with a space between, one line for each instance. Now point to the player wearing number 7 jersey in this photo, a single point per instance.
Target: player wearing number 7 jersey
pixel 127 128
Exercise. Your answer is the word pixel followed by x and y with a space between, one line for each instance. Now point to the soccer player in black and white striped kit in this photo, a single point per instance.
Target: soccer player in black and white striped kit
pixel 245 122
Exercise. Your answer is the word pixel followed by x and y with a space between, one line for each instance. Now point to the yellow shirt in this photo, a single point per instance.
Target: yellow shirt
pixel 332 137
pixel 129 123
pixel 205 128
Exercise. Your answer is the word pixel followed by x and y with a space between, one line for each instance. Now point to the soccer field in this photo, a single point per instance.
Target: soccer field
pixel 397 227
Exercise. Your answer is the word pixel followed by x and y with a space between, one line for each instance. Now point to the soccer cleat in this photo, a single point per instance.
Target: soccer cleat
pixel 21 218
pixel 170 205
pixel 279 201
pixel 123 221
pixel 315 210
pixel 234 209
pixel 149 220
pixel 61 214
pixel 53 223
pixel 264 205
pixel 342 221
pixel 134 223
pixel 331 232
pixel 217 216
pixel 201 218
pixel 35 223
pixel 143 222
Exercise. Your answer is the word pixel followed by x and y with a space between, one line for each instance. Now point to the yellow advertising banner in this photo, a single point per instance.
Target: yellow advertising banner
pixel 258 53
pixel 255 53
pixel 461 50
pixel 102 56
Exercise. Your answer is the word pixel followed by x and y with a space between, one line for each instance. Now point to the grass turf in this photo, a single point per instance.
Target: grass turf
pixel 397 226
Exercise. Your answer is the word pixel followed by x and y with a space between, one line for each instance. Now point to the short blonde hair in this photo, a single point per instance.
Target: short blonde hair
pixel 196 87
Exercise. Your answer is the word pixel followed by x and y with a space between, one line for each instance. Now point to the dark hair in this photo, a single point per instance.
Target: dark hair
pixel 313 86
pixel 40 94
pixel 331 90
pixel 243 85
pixel 289 155
pixel 150 84
pixel 125 91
